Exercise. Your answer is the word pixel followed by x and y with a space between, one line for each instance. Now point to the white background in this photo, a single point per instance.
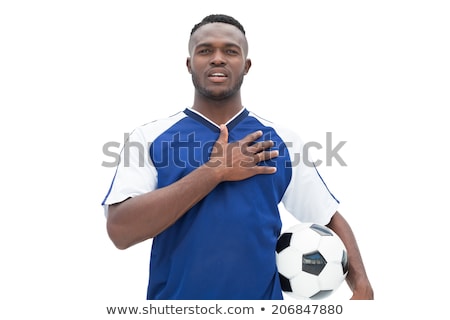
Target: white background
pixel 75 75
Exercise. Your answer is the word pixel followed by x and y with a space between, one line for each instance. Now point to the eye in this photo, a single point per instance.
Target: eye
pixel 232 52
pixel 204 51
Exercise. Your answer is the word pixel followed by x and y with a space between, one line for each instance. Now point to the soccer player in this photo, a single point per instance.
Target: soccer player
pixel 207 186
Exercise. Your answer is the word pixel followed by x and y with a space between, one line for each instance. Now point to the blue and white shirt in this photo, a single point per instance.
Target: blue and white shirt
pixel 224 246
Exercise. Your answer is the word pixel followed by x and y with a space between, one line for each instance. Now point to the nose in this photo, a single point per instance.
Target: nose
pixel 218 59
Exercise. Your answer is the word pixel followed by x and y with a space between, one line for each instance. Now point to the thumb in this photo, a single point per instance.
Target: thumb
pixel 223 136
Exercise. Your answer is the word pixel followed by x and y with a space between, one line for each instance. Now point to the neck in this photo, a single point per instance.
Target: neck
pixel 218 111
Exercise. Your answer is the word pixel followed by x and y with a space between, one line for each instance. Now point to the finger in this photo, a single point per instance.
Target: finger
pixel 264 170
pixel 252 136
pixel 266 155
pixel 223 136
pixel 254 159
pixel 260 146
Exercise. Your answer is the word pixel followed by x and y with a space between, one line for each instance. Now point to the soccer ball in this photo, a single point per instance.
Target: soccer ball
pixel 312 261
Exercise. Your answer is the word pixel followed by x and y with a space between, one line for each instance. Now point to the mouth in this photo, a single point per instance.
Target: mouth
pixel 217 77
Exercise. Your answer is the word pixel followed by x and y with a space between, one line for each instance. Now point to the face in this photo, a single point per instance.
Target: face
pixel 218 60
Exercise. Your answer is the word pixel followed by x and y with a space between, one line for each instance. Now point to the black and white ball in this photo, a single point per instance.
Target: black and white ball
pixel 312 261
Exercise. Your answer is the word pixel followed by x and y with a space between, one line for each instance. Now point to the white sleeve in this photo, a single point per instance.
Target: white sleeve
pixel 307 197
pixel 135 173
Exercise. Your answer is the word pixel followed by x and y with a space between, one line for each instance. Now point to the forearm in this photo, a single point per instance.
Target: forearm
pixel 357 277
pixel 145 216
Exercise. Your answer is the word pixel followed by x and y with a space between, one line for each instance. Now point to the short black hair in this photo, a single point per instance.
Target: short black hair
pixel 212 18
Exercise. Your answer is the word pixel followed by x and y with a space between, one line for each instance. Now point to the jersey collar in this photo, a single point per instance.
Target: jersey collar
pixel 243 113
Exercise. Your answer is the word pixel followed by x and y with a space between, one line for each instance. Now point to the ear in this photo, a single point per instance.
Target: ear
pixel 188 64
pixel 248 64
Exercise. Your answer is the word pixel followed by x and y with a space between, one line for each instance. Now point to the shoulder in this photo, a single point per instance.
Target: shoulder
pixel 286 133
pixel 150 130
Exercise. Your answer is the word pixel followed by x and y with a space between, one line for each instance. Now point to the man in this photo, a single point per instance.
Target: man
pixel 209 188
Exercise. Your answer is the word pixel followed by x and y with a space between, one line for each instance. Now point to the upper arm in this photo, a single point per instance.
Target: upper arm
pixel 135 174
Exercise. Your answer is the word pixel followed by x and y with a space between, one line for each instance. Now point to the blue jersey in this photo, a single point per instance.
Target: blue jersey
pixel 224 246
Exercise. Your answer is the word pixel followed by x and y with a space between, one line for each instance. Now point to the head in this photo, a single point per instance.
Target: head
pixel 217 59
pixel 219 18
